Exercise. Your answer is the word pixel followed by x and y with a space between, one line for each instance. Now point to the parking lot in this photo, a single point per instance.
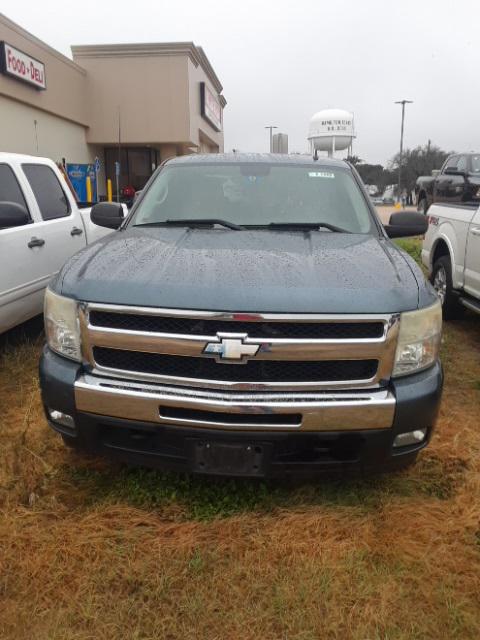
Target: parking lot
pixel 89 549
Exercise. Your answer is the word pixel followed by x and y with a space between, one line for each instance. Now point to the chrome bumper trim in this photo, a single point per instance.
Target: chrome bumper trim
pixel 320 411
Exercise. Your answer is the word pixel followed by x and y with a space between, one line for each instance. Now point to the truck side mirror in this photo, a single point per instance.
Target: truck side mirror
pixel 406 223
pixel 107 214
pixel 13 214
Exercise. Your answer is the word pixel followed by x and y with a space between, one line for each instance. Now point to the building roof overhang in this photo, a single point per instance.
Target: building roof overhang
pixel 189 49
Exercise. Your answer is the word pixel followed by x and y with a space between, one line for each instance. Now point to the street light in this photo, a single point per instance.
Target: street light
pixel 403 103
pixel 271 138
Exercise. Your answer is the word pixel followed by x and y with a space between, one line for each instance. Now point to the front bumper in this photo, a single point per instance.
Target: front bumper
pixel 168 427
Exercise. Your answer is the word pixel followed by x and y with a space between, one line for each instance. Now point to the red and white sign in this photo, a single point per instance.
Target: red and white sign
pixel 211 109
pixel 19 65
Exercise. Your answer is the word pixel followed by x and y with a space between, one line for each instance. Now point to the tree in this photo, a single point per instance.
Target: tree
pixel 376 174
pixel 416 162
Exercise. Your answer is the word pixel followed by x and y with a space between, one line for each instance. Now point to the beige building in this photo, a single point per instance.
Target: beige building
pixel 132 104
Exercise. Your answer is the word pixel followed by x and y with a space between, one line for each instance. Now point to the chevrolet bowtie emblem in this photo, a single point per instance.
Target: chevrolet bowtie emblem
pixel 231 347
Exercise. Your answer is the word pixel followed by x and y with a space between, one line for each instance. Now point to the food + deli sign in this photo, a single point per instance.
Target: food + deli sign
pixel 21 66
pixel 210 107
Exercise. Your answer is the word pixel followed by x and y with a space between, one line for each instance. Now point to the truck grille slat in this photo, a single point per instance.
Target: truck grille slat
pixel 252 371
pixel 195 326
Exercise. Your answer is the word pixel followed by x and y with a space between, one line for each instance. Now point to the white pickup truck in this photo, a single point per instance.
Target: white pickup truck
pixel 41 226
pixel 451 252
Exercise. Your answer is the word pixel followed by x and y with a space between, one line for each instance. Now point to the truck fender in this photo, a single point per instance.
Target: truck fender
pixel 446 235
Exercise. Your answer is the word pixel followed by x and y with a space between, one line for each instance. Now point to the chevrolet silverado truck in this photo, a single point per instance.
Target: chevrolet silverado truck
pixel 457 182
pixel 250 317
pixel 41 226
pixel 451 253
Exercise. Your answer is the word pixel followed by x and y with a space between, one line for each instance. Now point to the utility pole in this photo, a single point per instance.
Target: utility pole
pixel 271 127
pixel 403 103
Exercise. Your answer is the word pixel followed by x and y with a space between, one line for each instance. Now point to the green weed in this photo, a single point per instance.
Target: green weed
pixel 412 246
pixel 207 498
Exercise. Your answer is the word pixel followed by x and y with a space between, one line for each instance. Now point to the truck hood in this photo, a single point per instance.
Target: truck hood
pixel 255 271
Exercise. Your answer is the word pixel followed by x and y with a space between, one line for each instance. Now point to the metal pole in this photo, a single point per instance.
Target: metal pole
pixel 401 152
pixel 119 165
pixel 271 136
pixel 403 103
pixel 35 123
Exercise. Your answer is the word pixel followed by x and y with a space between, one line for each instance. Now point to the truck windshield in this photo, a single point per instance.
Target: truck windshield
pixel 256 195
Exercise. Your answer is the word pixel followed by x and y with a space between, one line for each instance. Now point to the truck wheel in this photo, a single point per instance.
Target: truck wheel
pixel 441 279
pixel 422 206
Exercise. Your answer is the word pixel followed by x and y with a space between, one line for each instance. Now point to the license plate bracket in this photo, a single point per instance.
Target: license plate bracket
pixel 229 458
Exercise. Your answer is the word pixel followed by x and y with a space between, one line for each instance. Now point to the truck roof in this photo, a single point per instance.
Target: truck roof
pixel 266 158
pixel 16 158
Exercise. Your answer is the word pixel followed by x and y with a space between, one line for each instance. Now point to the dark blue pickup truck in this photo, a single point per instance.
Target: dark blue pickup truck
pixel 250 317
pixel 457 182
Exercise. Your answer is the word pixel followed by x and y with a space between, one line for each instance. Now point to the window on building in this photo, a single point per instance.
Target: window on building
pixel 51 198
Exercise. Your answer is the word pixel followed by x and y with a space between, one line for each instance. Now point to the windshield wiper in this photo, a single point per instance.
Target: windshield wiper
pixel 192 222
pixel 307 226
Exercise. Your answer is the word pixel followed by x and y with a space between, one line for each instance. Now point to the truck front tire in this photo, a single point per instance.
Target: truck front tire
pixel 442 282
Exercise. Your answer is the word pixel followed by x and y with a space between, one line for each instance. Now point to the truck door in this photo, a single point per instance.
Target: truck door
pixel 450 187
pixel 62 230
pixel 23 265
pixel 472 258
pixel 472 188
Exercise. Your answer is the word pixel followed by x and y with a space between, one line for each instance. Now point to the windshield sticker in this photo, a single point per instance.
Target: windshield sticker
pixel 320 174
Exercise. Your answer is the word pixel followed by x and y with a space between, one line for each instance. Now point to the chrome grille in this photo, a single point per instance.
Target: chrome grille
pixel 202 327
pixel 297 351
pixel 253 371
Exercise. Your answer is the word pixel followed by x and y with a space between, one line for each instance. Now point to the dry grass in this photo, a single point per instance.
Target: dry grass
pixel 88 550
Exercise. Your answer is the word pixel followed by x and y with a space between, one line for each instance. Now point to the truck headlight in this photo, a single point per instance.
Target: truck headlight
pixel 62 327
pixel 418 340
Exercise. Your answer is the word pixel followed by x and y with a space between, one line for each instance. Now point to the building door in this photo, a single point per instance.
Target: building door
pixel 136 166
pixel 139 167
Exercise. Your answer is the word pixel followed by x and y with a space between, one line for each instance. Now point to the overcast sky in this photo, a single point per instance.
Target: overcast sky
pixel 281 61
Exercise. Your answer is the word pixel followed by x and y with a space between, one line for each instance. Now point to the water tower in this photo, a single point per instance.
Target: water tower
pixel 331 130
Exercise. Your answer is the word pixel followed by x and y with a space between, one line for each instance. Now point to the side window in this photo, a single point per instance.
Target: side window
pixel 9 188
pixel 462 163
pixel 452 162
pixel 48 191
